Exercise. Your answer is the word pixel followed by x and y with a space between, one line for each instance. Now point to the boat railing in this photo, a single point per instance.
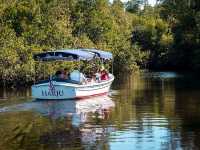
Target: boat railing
pixel 70 81
pixel 58 80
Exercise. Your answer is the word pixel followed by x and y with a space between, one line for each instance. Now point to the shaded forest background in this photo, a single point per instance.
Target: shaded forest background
pixel 166 36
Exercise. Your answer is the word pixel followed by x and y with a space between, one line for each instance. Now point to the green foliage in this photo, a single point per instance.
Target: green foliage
pixel 153 35
pixel 135 36
pixel 183 17
pixel 28 27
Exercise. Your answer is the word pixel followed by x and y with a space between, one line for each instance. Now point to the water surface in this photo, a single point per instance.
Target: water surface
pixel 149 110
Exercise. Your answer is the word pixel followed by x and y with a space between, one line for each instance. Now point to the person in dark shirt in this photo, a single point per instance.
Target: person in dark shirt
pixel 58 74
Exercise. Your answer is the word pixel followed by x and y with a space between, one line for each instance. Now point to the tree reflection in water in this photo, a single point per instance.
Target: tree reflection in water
pixel 152 110
pixel 70 123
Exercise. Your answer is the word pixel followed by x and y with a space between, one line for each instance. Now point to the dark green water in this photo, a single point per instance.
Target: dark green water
pixel 159 110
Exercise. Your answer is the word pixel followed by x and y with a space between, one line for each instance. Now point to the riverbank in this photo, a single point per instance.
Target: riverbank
pixel 118 76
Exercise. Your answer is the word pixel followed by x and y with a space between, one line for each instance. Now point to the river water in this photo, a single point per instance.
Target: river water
pixel 148 110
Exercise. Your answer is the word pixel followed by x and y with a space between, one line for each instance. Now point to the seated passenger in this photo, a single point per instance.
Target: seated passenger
pixel 65 74
pixel 58 74
pixel 98 76
pixel 76 75
pixel 93 80
pixel 104 75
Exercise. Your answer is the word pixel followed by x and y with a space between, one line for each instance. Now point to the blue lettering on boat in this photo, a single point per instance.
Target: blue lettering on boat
pixel 52 93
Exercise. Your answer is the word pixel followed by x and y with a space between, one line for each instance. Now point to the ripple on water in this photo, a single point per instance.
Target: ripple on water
pixel 145 112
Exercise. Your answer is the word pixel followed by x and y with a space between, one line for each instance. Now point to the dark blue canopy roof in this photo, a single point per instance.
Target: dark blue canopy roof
pixel 73 55
pixel 100 53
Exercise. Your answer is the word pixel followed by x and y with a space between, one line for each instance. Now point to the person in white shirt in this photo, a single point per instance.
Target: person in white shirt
pixel 98 76
pixel 76 75
pixel 93 79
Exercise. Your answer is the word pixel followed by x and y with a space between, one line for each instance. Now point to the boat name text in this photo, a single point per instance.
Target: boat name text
pixel 52 93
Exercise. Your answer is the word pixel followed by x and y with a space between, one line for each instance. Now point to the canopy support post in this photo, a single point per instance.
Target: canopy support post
pixel 112 65
pixel 34 73
pixel 43 68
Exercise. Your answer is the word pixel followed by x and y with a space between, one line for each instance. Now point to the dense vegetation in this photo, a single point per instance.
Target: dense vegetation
pixel 164 36
pixel 183 18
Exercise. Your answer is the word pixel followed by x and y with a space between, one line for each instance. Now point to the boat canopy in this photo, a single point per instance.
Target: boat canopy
pixel 100 53
pixel 73 55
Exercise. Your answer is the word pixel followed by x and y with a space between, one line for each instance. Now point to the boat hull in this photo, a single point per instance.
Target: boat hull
pixel 63 90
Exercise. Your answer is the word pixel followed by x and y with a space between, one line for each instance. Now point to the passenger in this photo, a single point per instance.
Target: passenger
pixel 62 76
pixel 66 74
pixel 58 74
pixel 98 75
pixel 76 75
pixel 104 75
pixel 93 80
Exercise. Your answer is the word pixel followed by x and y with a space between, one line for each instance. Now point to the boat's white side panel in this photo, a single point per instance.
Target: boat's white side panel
pixel 62 90
pixel 93 90
pixel 59 92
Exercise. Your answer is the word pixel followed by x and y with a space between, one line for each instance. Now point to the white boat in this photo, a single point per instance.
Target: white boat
pixel 69 89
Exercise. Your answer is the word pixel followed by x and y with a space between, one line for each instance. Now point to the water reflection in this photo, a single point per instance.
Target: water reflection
pixel 76 109
pixel 12 93
pixel 69 124
pixel 149 110
pixel 161 115
pixel 162 75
